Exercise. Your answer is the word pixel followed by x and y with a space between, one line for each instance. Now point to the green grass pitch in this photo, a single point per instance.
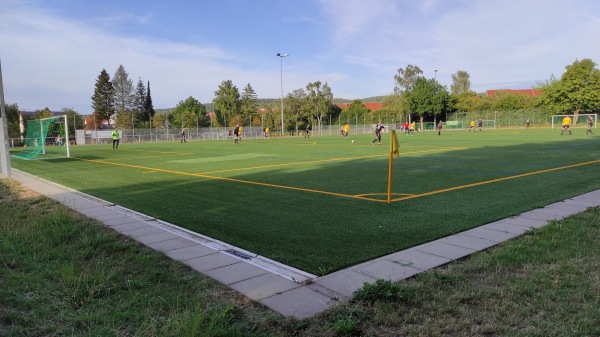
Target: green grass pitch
pixel 319 204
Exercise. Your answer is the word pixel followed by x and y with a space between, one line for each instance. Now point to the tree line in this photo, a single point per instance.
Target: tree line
pixel 414 97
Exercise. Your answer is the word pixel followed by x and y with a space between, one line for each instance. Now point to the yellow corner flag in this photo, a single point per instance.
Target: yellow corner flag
pixel 395 145
pixel 393 152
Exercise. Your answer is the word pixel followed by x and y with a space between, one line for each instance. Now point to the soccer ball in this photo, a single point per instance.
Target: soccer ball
pixel 352 141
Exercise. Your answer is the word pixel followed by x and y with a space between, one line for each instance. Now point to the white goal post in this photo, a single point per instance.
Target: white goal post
pixel 46 138
pixel 580 121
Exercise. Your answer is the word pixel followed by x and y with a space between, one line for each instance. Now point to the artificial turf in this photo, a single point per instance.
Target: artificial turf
pixel 318 204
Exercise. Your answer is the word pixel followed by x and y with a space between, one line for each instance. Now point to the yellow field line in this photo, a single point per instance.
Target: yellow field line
pixel 495 180
pixel 324 161
pixel 359 196
pixel 229 179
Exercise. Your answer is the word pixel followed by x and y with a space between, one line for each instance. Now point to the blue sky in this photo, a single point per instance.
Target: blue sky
pixel 52 51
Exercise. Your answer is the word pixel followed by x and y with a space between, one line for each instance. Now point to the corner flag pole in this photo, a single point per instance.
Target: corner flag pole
pixel 393 152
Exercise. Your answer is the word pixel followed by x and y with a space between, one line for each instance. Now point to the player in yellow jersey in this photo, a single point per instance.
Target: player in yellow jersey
pixel 566 124
pixel 472 126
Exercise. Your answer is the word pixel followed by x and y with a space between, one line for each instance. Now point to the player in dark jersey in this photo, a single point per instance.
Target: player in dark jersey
pixel 236 133
pixel 590 125
pixel 378 128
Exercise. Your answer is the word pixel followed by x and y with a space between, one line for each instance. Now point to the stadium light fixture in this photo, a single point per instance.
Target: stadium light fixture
pixel 281 56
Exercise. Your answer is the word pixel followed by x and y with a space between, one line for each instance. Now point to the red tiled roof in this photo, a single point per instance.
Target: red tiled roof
pixel 373 106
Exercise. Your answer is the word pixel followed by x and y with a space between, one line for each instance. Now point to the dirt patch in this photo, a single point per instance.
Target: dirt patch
pixel 26 193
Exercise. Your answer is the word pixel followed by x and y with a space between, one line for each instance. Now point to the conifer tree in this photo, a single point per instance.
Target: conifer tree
pixel 103 100
pixel 139 102
pixel 148 107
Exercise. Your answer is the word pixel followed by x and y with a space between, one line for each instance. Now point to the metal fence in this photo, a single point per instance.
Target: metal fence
pixel 505 119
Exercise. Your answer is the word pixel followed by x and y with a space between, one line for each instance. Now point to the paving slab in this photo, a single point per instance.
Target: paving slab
pixel 109 215
pixel 560 212
pixel 445 250
pixel 585 203
pixel 124 227
pixel 540 214
pixel 113 223
pixel 468 242
pixel 151 238
pixel 416 259
pixel 176 243
pixel 568 206
pixel 190 252
pixel 263 286
pixel 141 231
pixel 489 234
pixel 505 227
pixel 386 270
pixel 300 303
pixel 526 222
pixel 334 295
pixel 236 272
pixel 345 282
pixel 593 194
pixel 211 261
pixel 592 199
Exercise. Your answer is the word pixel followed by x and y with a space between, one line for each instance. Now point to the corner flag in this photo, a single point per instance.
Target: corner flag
pixel 393 152
pixel 395 145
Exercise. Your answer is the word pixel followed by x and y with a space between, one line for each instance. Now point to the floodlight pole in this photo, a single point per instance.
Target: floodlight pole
pixel 4 149
pixel 281 56
pixel 435 84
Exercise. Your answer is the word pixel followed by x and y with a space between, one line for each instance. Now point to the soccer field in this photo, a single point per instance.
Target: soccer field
pixel 319 204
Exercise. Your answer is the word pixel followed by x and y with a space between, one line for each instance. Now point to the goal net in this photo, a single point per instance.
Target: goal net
pixel 581 120
pixel 488 124
pixel 46 138
pixel 454 125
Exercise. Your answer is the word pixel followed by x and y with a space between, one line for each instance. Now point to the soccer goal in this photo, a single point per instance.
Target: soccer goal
pixel 46 138
pixel 580 121
pixel 488 123
pixel 454 125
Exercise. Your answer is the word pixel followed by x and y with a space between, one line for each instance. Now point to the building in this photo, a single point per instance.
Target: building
pixel 373 106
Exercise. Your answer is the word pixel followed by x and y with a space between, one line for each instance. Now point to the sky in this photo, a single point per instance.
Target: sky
pixel 52 51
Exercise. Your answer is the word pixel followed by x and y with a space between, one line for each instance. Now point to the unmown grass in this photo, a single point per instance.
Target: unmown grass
pixel 65 275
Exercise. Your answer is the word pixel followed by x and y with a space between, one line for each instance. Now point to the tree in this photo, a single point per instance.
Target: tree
pixel 188 112
pixel 227 103
pixel 40 114
pixel 406 78
pixel 356 110
pixel 124 95
pixel 392 105
pixel 460 83
pixel 296 104
pixel 103 100
pixel 320 97
pixel 75 121
pixel 466 102
pixel 248 105
pixel 577 91
pixel 272 116
pixel 148 106
pixel 12 120
pixel 427 97
pixel 138 103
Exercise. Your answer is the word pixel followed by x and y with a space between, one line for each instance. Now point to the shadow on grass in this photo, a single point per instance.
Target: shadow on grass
pixel 319 232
